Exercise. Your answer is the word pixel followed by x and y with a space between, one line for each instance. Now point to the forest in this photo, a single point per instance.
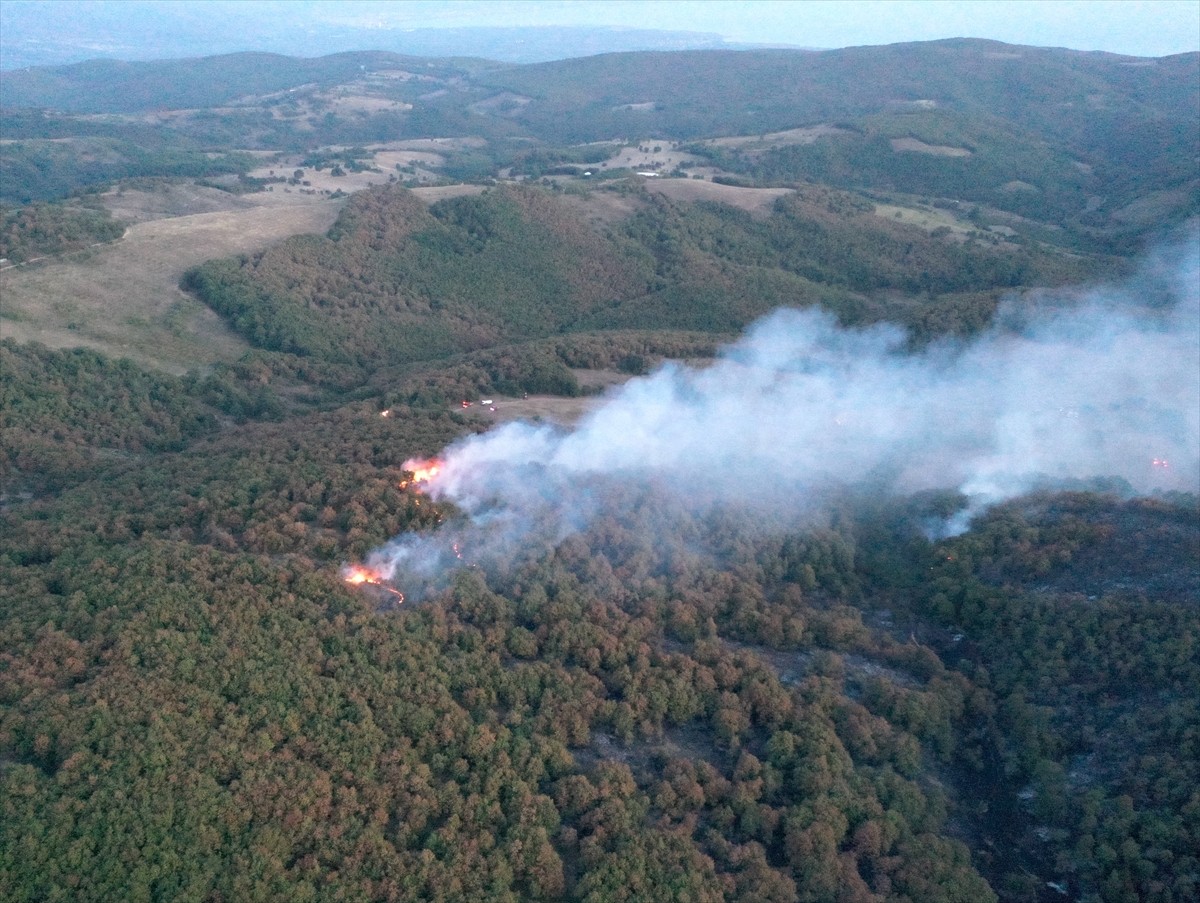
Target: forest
pixel 397 280
pixel 670 701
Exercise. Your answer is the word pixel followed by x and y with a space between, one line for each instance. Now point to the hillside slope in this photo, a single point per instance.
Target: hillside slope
pixel 396 281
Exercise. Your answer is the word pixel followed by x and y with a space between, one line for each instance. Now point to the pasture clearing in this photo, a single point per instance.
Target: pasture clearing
pixel 557 409
pixel 653 154
pixel 124 300
pixel 926 218
pixel 756 144
pixel 912 145
pixel 752 200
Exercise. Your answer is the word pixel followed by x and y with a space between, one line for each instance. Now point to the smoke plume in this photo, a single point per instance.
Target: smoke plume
pixel 1065 387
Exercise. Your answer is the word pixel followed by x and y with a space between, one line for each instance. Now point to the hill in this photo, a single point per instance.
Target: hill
pixel 1095 143
pixel 1044 90
pixel 114 86
pixel 1071 94
pixel 397 281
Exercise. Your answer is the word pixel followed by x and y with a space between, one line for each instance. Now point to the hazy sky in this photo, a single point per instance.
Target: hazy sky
pixel 1137 27
pixel 135 28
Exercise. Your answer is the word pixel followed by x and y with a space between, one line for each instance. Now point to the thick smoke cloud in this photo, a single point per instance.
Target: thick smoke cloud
pixel 1099 384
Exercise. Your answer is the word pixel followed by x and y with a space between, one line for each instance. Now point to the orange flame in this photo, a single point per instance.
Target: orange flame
pixel 423 470
pixel 358 575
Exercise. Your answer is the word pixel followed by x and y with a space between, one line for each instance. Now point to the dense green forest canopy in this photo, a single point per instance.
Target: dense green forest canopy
pixel 398 281
pixel 187 678
pixel 49 169
pixel 40 229
pixel 195 705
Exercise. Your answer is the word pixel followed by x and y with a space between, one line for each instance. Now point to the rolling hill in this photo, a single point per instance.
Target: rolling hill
pixel 1096 143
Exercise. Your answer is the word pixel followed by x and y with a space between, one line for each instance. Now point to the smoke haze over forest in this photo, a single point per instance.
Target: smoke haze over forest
pixel 1102 384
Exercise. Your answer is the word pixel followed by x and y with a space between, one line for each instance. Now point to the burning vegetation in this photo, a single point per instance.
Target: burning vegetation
pixel 358 575
pixel 423 471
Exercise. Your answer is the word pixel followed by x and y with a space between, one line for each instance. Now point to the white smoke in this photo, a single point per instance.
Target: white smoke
pixel 1105 384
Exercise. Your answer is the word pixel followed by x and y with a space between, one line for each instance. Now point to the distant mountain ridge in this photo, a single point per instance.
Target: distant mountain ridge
pixel 1044 88
pixel 35 42
pixel 1037 87
pixel 1075 139
pixel 118 86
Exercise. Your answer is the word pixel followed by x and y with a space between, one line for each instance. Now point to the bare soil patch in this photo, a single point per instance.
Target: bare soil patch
pixel 535 408
pixel 433 145
pixel 323 182
pixel 602 208
pixel 926 218
pixel 958 228
pixel 174 199
pixel 388 160
pixel 425 156
pixel 349 103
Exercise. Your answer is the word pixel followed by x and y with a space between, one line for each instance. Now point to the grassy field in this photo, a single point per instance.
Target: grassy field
pixel 558 409
pixel 924 217
pixel 124 299
pixel 752 200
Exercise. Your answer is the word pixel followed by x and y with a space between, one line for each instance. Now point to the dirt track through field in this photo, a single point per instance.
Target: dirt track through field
pixel 124 298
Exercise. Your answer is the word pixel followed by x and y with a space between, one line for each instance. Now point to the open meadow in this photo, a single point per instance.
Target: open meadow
pixel 124 298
